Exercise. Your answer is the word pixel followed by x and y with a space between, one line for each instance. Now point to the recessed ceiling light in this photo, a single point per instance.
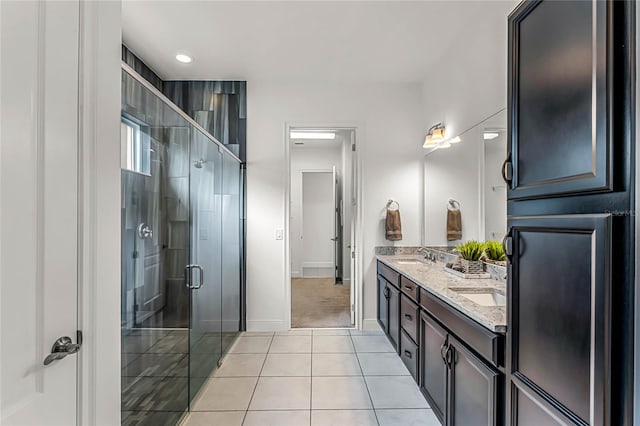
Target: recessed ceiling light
pixel 313 135
pixel 490 135
pixel 185 59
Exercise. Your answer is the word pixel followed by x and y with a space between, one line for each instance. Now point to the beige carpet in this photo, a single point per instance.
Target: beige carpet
pixel 318 302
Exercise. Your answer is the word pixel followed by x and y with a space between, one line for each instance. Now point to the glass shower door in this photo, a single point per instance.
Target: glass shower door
pixel 203 274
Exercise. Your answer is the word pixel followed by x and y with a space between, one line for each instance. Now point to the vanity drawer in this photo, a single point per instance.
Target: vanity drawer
pixel 409 354
pixel 392 276
pixel 409 317
pixel 409 288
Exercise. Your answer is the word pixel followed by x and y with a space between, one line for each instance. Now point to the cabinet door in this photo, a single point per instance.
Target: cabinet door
pixel 475 395
pixel 433 370
pixel 560 108
pixel 383 302
pixel 394 317
pixel 559 317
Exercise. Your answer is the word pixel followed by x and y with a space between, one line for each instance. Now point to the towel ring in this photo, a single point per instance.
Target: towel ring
pixel 391 202
pixel 455 204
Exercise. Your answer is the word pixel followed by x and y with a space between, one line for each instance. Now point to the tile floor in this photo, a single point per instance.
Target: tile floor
pixel 311 377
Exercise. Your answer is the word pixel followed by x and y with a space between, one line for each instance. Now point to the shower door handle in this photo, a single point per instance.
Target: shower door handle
pixel 188 276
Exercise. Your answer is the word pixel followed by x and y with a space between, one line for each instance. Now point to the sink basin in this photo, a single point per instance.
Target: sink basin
pixel 410 262
pixel 482 297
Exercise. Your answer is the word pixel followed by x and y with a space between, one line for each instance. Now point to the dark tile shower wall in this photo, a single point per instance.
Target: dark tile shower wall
pixel 220 107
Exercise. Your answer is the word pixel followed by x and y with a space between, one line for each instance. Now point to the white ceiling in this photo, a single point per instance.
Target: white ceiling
pixel 302 40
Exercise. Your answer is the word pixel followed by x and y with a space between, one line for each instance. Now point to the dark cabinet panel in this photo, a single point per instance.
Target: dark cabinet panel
pixel 409 354
pixel 433 370
pixel 530 412
pixel 394 316
pixel 558 300
pixel 383 302
pixel 475 392
pixel 409 288
pixel 560 109
pixel 409 319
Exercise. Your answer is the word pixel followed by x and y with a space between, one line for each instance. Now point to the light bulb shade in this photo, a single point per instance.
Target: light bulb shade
pixel 429 143
pixel 444 145
pixel 455 140
pixel 437 134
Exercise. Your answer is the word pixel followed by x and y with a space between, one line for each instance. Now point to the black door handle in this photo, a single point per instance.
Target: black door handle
pixel 507 170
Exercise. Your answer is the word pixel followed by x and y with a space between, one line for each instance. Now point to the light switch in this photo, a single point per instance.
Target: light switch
pixel 279 234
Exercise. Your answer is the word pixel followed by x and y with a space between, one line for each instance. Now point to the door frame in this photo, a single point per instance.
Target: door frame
pixel 98 395
pixel 357 274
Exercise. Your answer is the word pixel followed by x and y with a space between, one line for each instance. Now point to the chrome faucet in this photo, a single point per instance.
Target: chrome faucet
pixel 427 254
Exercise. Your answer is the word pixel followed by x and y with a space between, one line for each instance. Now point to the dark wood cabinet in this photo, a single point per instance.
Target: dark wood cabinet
pixel 409 354
pixel 475 392
pixel 558 311
pixel 560 109
pixel 394 317
pixel 389 308
pixel 571 201
pixel 383 303
pixel 433 370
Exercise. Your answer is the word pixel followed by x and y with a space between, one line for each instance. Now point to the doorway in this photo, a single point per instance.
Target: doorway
pixel 322 227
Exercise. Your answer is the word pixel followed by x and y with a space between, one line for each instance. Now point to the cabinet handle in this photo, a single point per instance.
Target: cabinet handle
pixel 450 356
pixel 409 317
pixel 408 287
pixel 442 354
pixel 507 245
pixel 507 170
pixel 386 292
pixel 408 354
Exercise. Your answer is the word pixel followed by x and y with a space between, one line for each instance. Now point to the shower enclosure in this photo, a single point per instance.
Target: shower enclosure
pixel 181 254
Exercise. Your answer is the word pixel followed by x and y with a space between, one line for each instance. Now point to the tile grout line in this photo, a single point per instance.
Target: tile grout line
pixel 258 379
pixel 365 381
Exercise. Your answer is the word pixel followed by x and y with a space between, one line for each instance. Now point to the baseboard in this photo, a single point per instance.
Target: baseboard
pixel 370 324
pixel 266 325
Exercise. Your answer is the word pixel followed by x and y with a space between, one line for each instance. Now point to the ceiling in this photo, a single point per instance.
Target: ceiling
pixel 373 41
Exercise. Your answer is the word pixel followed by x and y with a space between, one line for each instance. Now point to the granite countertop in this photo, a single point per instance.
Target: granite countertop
pixel 432 277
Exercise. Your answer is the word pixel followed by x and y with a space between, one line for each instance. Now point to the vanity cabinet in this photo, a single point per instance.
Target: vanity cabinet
pixel 433 369
pixel 389 304
pixel 456 362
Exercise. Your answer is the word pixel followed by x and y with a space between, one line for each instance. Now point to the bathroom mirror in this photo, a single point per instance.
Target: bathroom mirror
pixel 469 173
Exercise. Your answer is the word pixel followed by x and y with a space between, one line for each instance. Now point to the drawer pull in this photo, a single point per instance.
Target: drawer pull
pixel 408 287
pixel 408 354
pixel 409 317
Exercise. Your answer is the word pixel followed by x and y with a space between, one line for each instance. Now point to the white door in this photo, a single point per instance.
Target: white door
pixel 38 210
pixel 318 227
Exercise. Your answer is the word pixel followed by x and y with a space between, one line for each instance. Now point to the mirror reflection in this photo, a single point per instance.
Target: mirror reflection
pixel 467 175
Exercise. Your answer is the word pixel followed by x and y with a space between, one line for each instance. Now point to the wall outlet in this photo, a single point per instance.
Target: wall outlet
pixel 279 234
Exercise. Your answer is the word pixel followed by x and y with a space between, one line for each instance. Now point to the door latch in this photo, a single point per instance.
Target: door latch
pixel 64 346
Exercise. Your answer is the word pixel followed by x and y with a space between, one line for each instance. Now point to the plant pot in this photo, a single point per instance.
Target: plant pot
pixel 472 266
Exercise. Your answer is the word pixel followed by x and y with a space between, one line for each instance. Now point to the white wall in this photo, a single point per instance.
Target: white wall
pixel 389 139
pixel 306 158
pixel 468 85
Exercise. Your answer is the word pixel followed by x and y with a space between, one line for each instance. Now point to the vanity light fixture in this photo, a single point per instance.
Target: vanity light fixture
pixel 490 135
pixel 313 135
pixel 443 145
pixel 185 59
pixel 435 135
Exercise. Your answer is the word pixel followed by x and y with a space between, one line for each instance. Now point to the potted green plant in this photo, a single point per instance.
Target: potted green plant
pixel 494 252
pixel 470 253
